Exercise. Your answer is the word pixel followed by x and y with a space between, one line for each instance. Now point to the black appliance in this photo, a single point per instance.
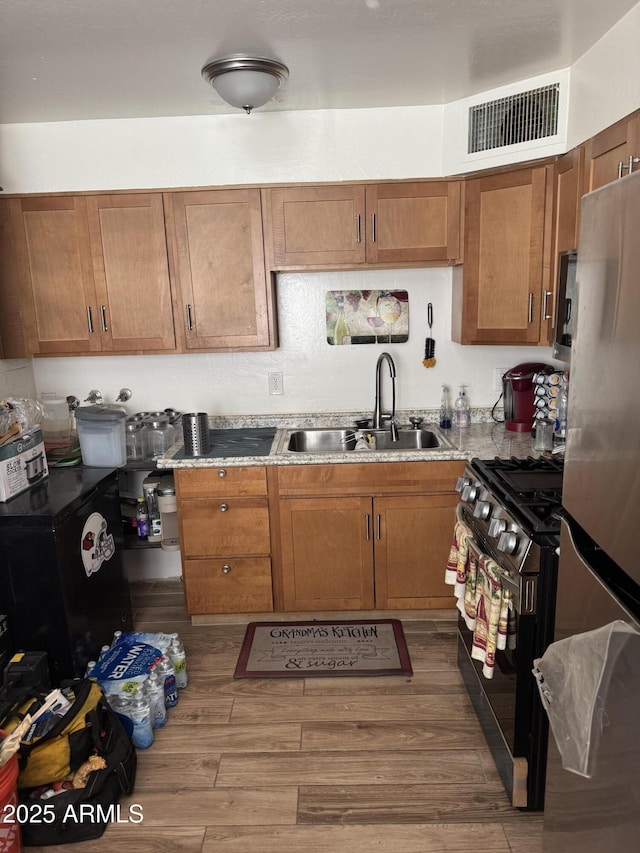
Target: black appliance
pixel 599 569
pixel 63 587
pixel 510 507
pixel 566 308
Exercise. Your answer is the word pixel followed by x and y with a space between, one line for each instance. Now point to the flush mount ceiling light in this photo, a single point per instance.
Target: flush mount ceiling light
pixel 245 82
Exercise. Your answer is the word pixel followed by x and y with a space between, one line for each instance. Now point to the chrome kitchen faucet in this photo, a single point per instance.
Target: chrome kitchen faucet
pixel 378 415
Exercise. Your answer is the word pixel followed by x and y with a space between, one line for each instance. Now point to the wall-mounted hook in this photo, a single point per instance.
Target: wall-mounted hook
pixel 94 397
pixel 123 395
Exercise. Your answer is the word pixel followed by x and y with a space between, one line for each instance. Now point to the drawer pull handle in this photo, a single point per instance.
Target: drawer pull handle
pixel 222 473
pixel 224 507
pixel 226 569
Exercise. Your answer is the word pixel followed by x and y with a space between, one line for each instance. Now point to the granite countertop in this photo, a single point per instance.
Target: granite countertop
pixel 256 440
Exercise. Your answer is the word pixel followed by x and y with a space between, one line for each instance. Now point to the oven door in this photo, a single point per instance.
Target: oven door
pixel 504 703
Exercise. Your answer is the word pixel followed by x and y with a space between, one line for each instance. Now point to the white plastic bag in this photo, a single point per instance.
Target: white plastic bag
pixel 573 678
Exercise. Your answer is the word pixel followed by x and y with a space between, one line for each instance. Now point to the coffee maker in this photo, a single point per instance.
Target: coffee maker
pixel 519 395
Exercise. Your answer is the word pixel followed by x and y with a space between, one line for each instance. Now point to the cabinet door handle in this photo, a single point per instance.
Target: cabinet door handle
pixel 368 526
pixel 545 312
pixel 378 537
pixel 224 507
pixel 531 307
pixel 222 473
pixel 103 319
pixel 621 166
pixel 226 569
pixel 189 323
pixel 373 228
pixel 358 234
pixel 89 320
pixel 632 161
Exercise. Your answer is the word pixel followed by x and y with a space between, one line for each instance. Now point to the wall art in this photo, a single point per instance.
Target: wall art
pixel 367 317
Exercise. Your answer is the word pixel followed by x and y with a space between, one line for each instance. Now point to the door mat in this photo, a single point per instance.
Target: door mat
pixel 319 648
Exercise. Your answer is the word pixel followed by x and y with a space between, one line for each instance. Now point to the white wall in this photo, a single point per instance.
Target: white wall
pixel 317 377
pixel 16 378
pixel 605 82
pixel 323 145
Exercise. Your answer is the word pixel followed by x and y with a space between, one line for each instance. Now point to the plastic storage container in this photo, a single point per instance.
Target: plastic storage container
pixel 102 436
pixel 56 424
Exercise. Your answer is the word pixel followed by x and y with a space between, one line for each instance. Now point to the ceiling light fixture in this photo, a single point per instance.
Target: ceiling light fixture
pixel 245 82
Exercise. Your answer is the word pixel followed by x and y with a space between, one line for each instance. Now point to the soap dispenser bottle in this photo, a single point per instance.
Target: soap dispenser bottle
pixel 462 411
pixel 445 409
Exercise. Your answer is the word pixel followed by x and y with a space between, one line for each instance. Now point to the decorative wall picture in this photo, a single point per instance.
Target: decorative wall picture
pixel 367 317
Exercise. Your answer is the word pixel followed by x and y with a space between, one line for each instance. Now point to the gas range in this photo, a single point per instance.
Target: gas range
pixel 512 505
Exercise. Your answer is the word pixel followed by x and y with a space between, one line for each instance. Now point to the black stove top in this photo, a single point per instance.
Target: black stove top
pixel 530 488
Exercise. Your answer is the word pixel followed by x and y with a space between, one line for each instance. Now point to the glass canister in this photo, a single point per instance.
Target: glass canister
pixel 544 434
pixel 133 440
pixel 157 437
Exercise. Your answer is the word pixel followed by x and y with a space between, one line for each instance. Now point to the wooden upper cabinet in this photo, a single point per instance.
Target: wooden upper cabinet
pixel 611 152
pixel 219 253
pixel 13 343
pixel 94 273
pixel 569 191
pixel 497 296
pixel 53 260
pixel 349 225
pixel 408 222
pixel 316 226
pixel 131 271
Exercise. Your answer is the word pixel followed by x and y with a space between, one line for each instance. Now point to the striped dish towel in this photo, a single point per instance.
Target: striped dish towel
pixel 494 625
pixel 461 573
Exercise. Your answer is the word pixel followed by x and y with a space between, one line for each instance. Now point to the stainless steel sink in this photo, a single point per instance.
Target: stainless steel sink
pixel 336 440
pixel 322 440
pixel 408 439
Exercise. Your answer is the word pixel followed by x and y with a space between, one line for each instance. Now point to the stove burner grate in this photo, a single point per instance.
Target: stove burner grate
pixel 531 488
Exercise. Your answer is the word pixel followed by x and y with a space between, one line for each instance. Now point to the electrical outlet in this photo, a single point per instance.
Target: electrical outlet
pixel 498 373
pixel 276 385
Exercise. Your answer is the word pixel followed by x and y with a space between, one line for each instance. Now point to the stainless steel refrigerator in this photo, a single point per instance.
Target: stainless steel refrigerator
pixel 598 809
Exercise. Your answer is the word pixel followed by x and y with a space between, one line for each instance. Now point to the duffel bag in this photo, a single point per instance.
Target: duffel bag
pixel 61 812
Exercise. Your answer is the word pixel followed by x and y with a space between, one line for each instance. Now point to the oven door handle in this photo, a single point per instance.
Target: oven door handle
pixel 522 595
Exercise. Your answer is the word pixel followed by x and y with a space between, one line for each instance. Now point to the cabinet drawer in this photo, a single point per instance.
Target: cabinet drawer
pixel 220 527
pixel 382 478
pixel 234 585
pixel 224 482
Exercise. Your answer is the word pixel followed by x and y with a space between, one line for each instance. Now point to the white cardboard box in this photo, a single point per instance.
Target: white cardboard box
pixel 23 463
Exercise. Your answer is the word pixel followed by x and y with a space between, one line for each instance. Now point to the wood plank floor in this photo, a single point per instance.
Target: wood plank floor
pixel 318 765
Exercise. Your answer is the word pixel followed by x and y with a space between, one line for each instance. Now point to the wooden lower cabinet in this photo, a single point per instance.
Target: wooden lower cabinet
pixel 230 585
pixel 378 550
pixel 412 543
pixel 225 539
pixel 327 553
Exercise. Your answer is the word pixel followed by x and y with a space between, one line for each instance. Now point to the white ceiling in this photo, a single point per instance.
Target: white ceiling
pixel 99 59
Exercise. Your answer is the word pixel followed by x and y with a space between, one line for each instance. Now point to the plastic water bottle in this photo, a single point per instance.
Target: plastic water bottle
pixel 167 673
pixel 139 712
pixel 121 704
pixel 154 688
pixel 89 669
pixel 116 637
pixel 142 519
pixel 179 660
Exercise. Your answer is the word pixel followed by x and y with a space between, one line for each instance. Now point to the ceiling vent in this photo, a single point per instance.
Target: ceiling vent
pixel 523 117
